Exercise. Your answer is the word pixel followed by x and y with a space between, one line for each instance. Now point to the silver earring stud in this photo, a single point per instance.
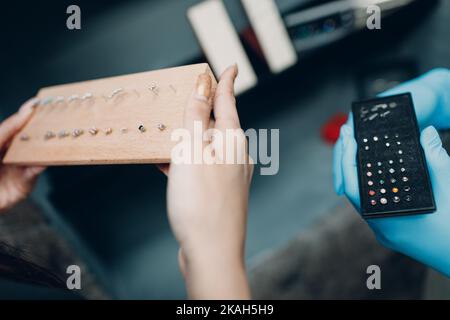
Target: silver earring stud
pixel 142 128
pixel 137 93
pixel 49 135
pixel 115 92
pixel 73 97
pixel 63 134
pixel 154 88
pixel 77 132
pixel 47 101
pixel 59 99
pixel 108 131
pixel 161 127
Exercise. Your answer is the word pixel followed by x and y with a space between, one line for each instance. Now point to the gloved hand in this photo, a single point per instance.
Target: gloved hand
pixel 425 238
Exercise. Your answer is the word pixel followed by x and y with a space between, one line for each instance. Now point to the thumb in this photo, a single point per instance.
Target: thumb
pixel 437 157
pixel 13 124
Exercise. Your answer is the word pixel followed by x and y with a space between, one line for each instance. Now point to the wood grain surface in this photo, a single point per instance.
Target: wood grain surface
pixel 124 103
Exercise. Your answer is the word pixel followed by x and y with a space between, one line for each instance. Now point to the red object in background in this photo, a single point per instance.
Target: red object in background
pixel 331 129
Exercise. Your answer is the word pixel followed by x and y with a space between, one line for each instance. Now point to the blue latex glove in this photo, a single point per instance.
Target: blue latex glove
pixel 425 238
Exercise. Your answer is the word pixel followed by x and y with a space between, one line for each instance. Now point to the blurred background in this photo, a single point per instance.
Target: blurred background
pixel 303 240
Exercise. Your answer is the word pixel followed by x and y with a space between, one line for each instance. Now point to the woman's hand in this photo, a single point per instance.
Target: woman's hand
pixel 15 182
pixel 207 203
pixel 423 237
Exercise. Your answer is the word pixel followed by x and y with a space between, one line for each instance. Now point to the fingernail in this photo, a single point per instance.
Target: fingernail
pixel 203 90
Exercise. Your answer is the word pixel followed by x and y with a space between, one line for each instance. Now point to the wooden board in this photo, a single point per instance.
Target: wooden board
pixel 155 100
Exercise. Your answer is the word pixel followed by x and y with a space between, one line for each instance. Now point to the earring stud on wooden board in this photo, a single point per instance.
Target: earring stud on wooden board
pixel 87 95
pixel 108 131
pixel 59 99
pixel 93 131
pixel 161 127
pixel 142 128
pixel 47 101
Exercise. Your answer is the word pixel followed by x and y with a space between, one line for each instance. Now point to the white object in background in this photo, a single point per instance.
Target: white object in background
pixel 271 32
pixel 220 42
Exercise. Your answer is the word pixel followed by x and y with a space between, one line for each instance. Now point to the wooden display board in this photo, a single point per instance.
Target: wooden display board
pixel 118 120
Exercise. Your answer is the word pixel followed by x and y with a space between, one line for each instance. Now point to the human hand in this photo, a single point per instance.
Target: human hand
pixel 15 182
pixel 208 202
pixel 423 237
